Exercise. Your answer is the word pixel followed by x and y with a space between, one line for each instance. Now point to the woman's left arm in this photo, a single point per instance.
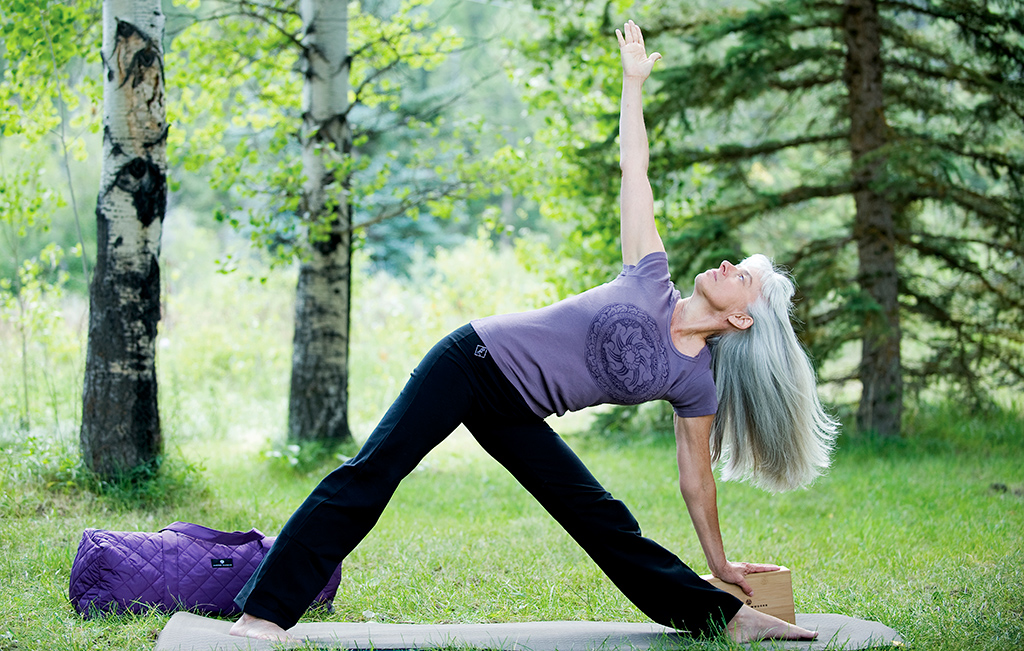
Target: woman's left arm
pixel 636 200
pixel 697 485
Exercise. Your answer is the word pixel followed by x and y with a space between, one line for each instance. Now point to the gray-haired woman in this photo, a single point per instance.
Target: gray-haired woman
pixel 631 340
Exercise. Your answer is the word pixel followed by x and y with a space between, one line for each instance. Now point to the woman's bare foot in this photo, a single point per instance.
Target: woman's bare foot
pixel 261 629
pixel 748 625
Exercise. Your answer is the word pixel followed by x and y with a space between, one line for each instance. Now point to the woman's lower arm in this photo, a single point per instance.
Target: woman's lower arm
pixel 701 503
pixel 634 152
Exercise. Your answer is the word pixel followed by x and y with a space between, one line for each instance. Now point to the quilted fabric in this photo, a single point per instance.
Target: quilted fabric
pixel 119 571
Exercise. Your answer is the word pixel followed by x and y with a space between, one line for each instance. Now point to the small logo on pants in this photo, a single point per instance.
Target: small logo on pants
pixel 481 352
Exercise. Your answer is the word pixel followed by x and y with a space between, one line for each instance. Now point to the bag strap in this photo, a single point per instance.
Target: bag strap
pixel 215 536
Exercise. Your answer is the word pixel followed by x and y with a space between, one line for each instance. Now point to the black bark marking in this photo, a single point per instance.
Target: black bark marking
pixel 149 292
pixel 125 29
pixel 144 59
pixel 159 139
pixel 147 184
pixel 115 148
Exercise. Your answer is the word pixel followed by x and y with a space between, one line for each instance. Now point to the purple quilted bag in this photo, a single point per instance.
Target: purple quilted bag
pixel 182 567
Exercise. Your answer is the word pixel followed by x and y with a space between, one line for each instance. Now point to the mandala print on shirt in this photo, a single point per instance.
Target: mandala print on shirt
pixel 625 355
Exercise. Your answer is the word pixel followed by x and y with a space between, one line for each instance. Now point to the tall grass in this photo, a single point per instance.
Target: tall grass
pixel 922 534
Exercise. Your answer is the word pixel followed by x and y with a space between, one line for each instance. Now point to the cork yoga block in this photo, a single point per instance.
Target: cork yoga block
pixel 773 593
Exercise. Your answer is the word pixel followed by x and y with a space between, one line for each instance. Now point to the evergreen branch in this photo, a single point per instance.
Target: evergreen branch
pixel 825 318
pixel 720 25
pixel 817 247
pixel 729 153
pixel 975 24
pixel 1012 166
pixel 974 80
pixel 806 83
pixel 923 100
pixel 985 18
pixel 839 379
pixel 958 263
pixel 925 306
pixel 970 201
pixel 1011 246
pixel 770 202
pixel 986 348
pixel 747 71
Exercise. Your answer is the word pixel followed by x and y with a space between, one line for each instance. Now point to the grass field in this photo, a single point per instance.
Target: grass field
pixel 924 535
pixel 920 536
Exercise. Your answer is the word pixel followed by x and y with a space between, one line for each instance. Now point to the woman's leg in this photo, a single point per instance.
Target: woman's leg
pixel 653 578
pixel 348 502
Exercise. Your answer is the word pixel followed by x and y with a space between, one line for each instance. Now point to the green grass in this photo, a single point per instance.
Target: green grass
pixel 915 538
pixel 924 534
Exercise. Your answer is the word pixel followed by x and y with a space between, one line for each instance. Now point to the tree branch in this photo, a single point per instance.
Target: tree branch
pixel 733 152
pixel 769 202
pixel 433 194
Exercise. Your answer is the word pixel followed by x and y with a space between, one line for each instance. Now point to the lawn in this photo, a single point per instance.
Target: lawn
pixel 924 536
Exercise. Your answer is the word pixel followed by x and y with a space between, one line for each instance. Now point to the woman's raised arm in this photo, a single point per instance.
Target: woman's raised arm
pixel 636 200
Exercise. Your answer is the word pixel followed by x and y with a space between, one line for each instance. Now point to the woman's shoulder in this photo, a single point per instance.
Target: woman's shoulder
pixel 654 265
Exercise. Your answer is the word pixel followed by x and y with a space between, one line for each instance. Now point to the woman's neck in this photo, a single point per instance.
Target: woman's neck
pixel 691 326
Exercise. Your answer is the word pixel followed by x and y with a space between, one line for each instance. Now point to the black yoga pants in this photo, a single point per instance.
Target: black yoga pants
pixel 458 382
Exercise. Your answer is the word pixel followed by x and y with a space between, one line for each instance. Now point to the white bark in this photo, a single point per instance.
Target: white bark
pixel 319 386
pixel 120 422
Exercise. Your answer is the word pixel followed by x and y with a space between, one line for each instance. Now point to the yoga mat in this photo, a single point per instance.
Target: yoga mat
pixel 188 632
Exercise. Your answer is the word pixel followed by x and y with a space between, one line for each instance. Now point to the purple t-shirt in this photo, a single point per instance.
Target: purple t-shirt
pixel 610 344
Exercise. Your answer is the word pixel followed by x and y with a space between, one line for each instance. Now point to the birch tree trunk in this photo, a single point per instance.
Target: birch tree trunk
pixel 120 421
pixel 881 402
pixel 318 404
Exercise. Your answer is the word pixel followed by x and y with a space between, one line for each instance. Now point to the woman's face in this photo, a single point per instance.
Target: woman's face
pixel 728 288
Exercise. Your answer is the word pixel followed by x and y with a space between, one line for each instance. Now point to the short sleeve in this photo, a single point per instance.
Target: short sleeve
pixel 653 266
pixel 700 397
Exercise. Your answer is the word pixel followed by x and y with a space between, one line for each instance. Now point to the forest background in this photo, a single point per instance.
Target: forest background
pixel 529 90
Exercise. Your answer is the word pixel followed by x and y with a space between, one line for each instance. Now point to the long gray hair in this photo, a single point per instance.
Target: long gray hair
pixel 770 428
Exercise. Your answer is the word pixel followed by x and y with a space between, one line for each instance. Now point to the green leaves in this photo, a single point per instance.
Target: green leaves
pixel 240 113
pixel 42 39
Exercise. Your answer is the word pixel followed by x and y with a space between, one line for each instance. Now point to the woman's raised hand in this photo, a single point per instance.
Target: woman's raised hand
pixel 635 62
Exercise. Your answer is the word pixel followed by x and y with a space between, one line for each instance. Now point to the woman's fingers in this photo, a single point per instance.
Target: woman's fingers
pixel 745 587
pixel 630 34
pixel 754 568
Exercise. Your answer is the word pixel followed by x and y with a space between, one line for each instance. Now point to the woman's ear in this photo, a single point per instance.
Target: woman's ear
pixel 741 320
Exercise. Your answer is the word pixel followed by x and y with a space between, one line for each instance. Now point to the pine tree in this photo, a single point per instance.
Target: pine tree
pixel 874 147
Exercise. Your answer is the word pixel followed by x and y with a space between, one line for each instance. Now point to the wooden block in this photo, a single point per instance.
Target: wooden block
pixel 773 593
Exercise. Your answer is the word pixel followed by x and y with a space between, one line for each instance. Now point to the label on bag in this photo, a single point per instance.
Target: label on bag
pixel 217 563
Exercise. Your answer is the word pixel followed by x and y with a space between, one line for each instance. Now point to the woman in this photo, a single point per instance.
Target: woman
pixel 629 341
